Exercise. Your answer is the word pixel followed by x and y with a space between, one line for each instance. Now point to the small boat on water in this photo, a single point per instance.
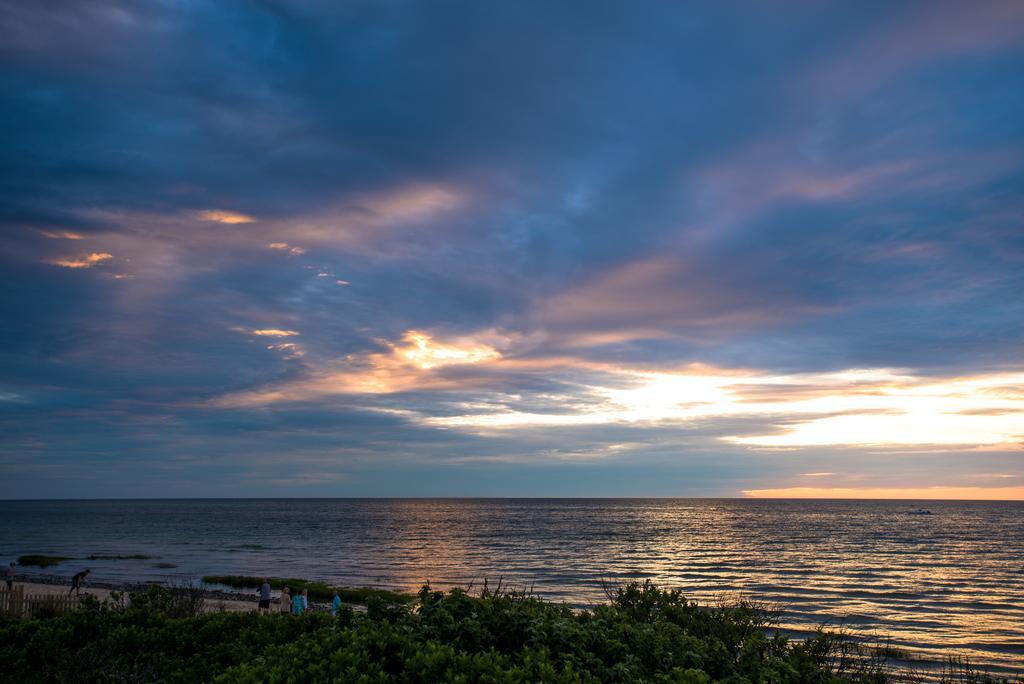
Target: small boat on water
pixel 920 511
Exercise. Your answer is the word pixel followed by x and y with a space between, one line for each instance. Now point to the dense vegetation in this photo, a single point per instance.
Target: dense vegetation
pixel 642 635
pixel 318 591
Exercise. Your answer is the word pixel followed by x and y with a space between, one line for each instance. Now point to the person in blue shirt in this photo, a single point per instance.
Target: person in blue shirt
pixel 264 605
pixel 298 606
pixel 335 604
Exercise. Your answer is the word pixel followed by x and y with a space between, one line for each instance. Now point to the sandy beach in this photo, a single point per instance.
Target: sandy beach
pixel 216 600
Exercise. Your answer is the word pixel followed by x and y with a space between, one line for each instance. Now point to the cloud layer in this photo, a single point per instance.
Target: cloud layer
pixel 304 248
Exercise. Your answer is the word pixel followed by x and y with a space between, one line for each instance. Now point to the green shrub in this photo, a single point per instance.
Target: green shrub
pixel 643 634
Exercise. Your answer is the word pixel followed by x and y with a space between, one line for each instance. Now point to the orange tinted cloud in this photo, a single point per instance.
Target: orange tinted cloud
pixel 84 261
pixel 275 332
pixel 291 249
pixel 61 235
pixel 859 407
pixel 291 350
pixel 655 298
pixel 409 364
pixel 222 216
pixel 366 222
pixel 412 202
pixel 877 407
pixel 896 409
pixel 421 350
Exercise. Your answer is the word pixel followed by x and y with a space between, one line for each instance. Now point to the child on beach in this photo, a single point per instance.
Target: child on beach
pixel 305 600
pixel 297 605
pixel 335 604
pixel 285 602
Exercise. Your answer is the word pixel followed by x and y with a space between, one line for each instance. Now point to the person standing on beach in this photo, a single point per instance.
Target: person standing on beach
pixel 9 576
pixel 285 601
pixel 297 605
pixel 264 605
pixel 305 600
pixel 335 604
pixel 76 582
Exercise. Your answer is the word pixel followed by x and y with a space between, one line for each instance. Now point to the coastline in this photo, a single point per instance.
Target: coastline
pixel 931 586
pixel 887 660
pixel 650 633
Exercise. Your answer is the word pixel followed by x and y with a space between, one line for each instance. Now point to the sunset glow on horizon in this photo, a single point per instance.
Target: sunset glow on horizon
pixel 910 493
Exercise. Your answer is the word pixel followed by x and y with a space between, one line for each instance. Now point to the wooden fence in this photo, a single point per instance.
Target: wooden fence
pixel 17 603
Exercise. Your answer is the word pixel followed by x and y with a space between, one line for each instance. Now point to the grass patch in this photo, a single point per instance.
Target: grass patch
pixel 136 556
pixel 320 591
pixel 42 561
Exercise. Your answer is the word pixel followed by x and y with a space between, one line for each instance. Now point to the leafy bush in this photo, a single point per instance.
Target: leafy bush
pixel 643 635
pixel 176 600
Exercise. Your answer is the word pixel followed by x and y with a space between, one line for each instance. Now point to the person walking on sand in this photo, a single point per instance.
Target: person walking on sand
pixel 285 602
pixel 264 605
pixel 9 576
pixel 335 604
pixel 297 606
pixel 76 582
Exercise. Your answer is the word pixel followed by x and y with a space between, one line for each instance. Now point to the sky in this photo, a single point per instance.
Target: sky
pixel 389 248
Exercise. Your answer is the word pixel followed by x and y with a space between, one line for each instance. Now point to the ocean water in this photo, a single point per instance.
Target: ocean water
pixel 951 583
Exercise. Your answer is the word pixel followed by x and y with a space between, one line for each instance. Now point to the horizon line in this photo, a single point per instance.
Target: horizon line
pixel 496 498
